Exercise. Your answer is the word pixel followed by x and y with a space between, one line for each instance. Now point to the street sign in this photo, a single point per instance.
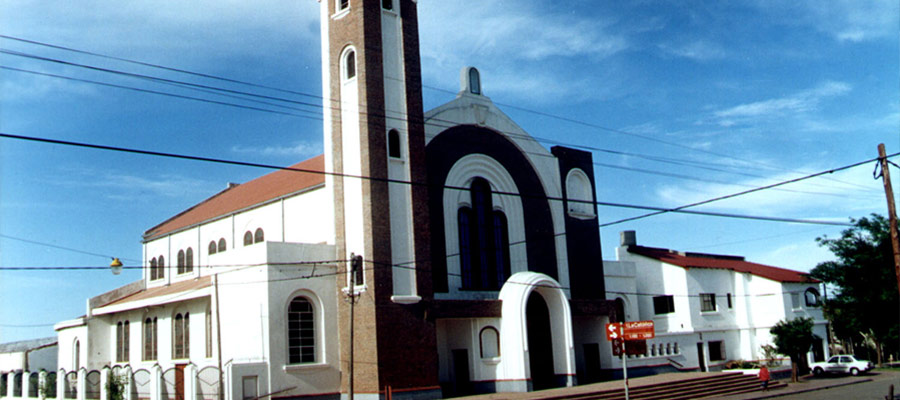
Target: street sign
pixel 617 347
pixel 637 330
pixel 613 331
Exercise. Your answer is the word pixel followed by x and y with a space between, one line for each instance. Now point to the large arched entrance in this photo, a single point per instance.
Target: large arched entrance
pixel 535 334
pixel 540 342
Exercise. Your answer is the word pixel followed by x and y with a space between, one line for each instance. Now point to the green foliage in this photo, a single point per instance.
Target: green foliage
pixel 770 353
pixel 48 388
pixel 794 338
pixel 741 364
pixel 115 386
pixel 863 272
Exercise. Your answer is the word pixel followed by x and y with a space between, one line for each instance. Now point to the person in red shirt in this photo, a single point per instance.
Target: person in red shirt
pixel 764 378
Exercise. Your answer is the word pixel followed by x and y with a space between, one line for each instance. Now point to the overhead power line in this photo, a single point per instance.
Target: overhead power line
pixel 216 90
pixel 386 180
pixel 729 196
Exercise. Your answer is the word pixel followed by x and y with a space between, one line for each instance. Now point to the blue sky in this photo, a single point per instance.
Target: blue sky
pixel 733 94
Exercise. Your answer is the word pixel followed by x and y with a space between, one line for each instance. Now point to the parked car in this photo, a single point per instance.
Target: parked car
pixel 842 364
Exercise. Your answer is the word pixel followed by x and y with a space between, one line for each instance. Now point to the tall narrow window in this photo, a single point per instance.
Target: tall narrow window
pixel 350 65
pixel 181 336
pixel 393 143
pixel 728 297
pixel 212 247
pixel 474 81
pixel 162 268
pixel 154 274
pixel 150 338
pixel 77 357
pixel 222 245
pixel 120 355
pixel 259 236
pixel 301 331
pixel 484 241
pixel 248 238
pixel 189 260
pixel 180 261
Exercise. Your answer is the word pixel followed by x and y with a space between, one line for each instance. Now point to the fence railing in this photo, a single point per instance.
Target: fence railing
pixel 117 383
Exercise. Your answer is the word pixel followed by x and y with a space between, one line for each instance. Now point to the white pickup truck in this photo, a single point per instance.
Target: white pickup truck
pixel 843 364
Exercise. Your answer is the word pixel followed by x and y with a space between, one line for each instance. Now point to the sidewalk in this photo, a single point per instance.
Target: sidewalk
pixel 811 383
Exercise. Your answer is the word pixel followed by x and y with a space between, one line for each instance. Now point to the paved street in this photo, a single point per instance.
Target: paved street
pixel 872 386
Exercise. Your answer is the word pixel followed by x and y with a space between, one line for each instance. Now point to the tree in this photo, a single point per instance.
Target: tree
pixel 867 301
pixel 794 338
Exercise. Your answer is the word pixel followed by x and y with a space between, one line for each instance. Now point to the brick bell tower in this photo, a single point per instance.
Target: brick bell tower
pixel 374 140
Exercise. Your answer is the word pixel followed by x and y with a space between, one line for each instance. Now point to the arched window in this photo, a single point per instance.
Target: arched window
pixel 222 245
pixel 349 64
pixel 189 260
pixel 579 195
pixel 301 331
pixel 76 358
pixel 483 241
pixel 812 297
pixel 393 143
pixel 248 238
pixel 474 81
pixel 122 339
pixel 212 247
pixel 181 336
pixel 161 265
pixel 180 261
pixel 620 309
pixel 150 338
pixel 490 342
pixel 259 236
pixel 154 274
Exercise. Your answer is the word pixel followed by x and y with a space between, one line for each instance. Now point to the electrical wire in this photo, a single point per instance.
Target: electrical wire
pixel 386 180
pixel 207 89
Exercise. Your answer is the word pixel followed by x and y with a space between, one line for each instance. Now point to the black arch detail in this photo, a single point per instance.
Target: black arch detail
pixel 457 142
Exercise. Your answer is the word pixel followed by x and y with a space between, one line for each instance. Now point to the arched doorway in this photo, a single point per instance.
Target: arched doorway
pixel 540 342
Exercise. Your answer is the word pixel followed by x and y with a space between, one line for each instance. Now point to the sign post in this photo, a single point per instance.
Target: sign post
pixel 619 333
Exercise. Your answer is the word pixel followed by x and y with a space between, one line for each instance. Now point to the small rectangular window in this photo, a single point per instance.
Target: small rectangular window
pixel 707 302
pixel 717 351
pixel 663 304
pixel 387 4
pixel 795 300
pixel 343 5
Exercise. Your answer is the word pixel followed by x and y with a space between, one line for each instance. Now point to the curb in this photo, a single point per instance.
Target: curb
pixel 812 389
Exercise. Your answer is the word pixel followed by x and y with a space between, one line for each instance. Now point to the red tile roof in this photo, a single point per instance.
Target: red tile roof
pixel 268 187
pixel 734 263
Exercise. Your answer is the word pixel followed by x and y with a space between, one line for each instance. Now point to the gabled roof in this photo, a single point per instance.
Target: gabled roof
pixel 734 263
pixel 238 197
pixel 161 292
pixel 26 345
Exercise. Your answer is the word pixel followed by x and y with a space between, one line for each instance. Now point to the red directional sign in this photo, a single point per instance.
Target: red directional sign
pixel 638 330
pixel 613 331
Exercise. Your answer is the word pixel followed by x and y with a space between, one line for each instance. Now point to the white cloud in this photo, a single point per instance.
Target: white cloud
pixel 508 40
pixel 844 20
pixel 697 50
pixel 798 103
pixel 297 150
pixel 834 197
pixel 130 187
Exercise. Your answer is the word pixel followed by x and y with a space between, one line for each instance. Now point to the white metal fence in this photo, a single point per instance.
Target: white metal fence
pixel 191 383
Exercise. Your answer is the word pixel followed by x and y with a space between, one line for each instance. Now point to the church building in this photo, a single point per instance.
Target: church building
pixel 478 252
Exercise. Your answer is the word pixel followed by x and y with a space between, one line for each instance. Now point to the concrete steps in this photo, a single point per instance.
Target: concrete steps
pixel 694 388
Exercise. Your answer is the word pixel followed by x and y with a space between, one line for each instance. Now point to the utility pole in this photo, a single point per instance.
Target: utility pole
pixel 355 265
pixel 892 211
